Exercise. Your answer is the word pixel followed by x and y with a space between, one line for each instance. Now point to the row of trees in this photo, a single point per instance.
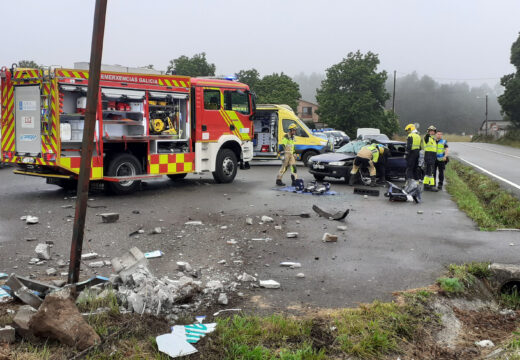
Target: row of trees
pixel 510 99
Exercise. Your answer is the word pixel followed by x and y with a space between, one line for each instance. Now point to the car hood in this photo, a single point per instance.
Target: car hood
pixel 329 157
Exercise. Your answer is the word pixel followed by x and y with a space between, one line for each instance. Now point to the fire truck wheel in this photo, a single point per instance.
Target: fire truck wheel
pixel 124 165
pixel 226 167
pixel 175 177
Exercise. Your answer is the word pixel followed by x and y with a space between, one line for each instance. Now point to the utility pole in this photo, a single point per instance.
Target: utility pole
pixel 486 115
pixel 393 95
pixel 96 51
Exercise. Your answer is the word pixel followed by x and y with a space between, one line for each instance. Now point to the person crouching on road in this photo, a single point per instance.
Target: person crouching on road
pixel 287 145
pixel 442 158
pixel 413 148
pixel 366 157
pixel 430 156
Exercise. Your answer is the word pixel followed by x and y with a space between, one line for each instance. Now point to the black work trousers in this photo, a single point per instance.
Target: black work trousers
pixel 440 165
pixel 412 163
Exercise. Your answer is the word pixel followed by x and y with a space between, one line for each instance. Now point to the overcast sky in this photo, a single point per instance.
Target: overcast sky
pixel 447 39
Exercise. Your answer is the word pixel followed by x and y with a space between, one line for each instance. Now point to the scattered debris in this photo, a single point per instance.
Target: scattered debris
pixel 485 343
pixel 196 223
pixel 3 275
pixel 174 345
pixel 43 251
pixel 153 254
pixel 7 335
pixel 184 266
pixel 249 221
pixel 89 256
pixel 231 242
pixel 138 231
pixel 278 227
pixel 31 220
pixel 269 284
pixel 22 319
pixel 225 310
pixel 337 216
pixel 4 296
pixel 267 219
pixel 261 239
pixel 292 265
pixel 59 283
pixel 368 192
pixel 292 235
pixel 128 262
pixel 221 262
pixel 22 292
pixel 59 318
pixel 222 299
pixel 420 212
pixel 61 263
pixel 329 238
pixel 155 231
pixel 66 206
pixel 300 275
pixel 342 228
pixel 31 239
pixel 96 264
pixel 93 281
pixel 223 227
pixel 51 271
pixel 245 277
pixel 109 217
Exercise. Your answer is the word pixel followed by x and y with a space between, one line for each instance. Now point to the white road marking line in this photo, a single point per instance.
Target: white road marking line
pixel 495 151
pixel 490 173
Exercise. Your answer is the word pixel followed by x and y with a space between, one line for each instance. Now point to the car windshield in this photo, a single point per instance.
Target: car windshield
pixel 380 137
pixel 353 146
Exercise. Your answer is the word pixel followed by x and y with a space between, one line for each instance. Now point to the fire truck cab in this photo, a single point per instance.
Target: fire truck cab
pixel 147 126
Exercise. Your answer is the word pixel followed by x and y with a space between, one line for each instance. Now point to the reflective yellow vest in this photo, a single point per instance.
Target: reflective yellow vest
pixel 288 144
pixel 431 145
pixel 375 152
pixel 441 149
pixel 416 144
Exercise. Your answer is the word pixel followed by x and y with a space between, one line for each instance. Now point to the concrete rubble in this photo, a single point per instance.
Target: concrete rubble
pixel 292 235
pixel 222 299
pixel 109 217
pixel 31 220
pixel 269 284
pixel 22 318
pixel 7 335
pixel 59 318
pixel 329 238
pixel 245 277
pixel 249 221
pixel 43 251
pixel 292 265
pixel 267 219
pixel 89 256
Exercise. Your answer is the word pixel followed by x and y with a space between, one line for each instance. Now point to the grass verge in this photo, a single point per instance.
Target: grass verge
pixel 481 198
pixel 461 278
pixel 512 138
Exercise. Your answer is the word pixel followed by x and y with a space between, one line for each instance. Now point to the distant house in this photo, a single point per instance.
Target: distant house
pixel 495 128
pixel 307 112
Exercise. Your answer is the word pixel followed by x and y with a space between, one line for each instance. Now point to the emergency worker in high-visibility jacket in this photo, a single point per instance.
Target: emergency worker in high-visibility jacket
pixel 413 149
pixel 287 145
pixel 442 158
pixel 366 157
pixel 430 156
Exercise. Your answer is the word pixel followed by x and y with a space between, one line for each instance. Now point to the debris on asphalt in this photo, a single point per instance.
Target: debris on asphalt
pixel 368 192
pixel 109 217
pixel 231 242
pixel 223 228
pixel 96 264
pixel 7 335
pixel 261 239
pixel 337 216
pixel 278 227
pixel 89 256
pixel 195 223
pixel 43 251
pixel 128 262
pixel 31 220
pixel 249 221
pixel 222 299
pixel 59 318
pixel 225 310
pixel 269 284
pixel 153 254
pixel 342 228
pixel 267 219
pixel 66 206
pixel 31 239
pixel 184 266
pixel 51 271
pixel 420 212
pixel 291 235
pixel 329 238
pixel 300 275
pixel 156 230
pixel 245 277
pixel 221 262
pixel 292 265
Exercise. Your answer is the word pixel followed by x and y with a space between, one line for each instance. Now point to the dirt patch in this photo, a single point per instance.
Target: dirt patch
pixel 321 334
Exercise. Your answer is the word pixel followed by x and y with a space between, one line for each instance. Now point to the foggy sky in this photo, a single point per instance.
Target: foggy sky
pixel 450 40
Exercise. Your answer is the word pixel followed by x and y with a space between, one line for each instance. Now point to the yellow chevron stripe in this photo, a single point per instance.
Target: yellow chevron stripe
pixel 175 83
pixel 167 82
pixel 229 122
pixel 10 143
pixel 160 82
pixel 76 74
pixel 183 84
pixel 66 73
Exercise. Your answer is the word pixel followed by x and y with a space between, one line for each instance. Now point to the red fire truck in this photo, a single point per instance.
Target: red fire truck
pixel 146 126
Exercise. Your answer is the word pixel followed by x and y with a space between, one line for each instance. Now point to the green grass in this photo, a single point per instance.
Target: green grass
pixel 461 278
pixel 481 198
pixel 510 301
pixel 450 285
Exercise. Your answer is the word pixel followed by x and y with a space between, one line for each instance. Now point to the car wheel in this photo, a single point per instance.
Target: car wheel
pixel 307 155
pixel 226 167
pixel 124 165
pixel 319 177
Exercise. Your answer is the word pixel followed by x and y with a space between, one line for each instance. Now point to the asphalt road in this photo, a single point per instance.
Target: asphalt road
pixel 500 162
pixel 387 247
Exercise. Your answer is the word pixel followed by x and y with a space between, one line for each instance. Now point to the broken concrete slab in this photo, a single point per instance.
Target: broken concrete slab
pixel 59 318
pixel 128 263
pixel 267 219
pixel 7 335
pixel 89 256
pixel 329 238
pixel 35 285
pixel 22 292
pixel 269 284
pixel 109 217
pixel 245 277
pixel 51 272
pixel 61 263
pixel 184 266
pixel 43 251
pixel 214 285
pixel 22 318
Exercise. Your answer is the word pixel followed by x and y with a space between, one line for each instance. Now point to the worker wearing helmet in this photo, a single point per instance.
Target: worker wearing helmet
pixel 413 148
pixel 381 163
pixel 430 156
pixel 366 157
pixel 442 158
pixel 287 146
